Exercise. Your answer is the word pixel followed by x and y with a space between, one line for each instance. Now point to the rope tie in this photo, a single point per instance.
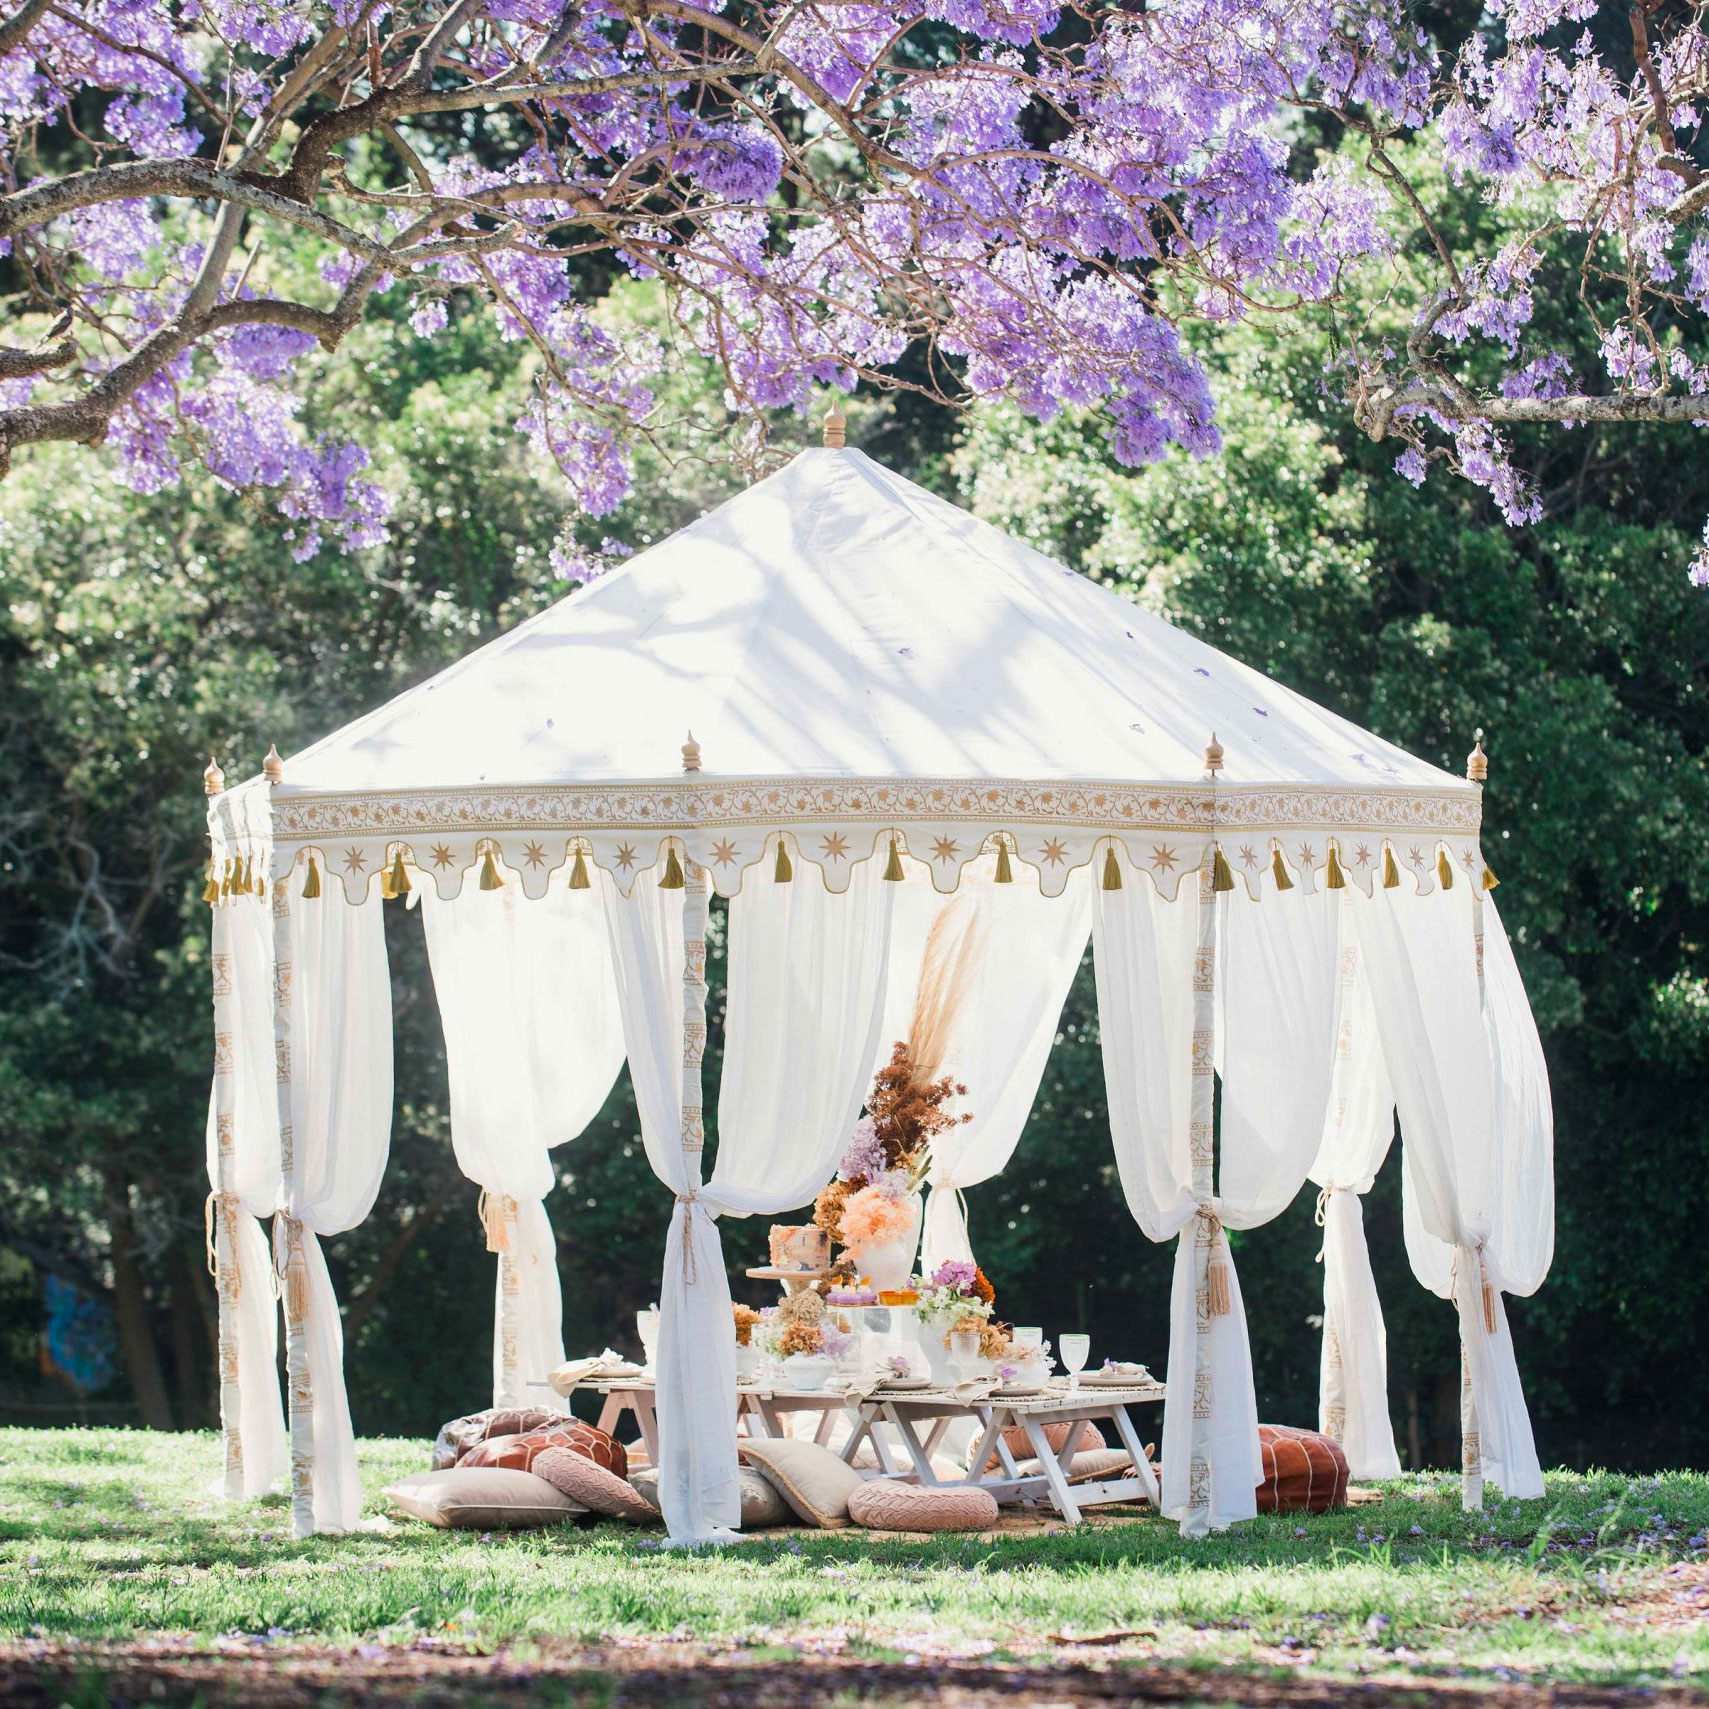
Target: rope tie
pixel 1322 1214
pixel 1219 1293
pixel 688 1201
pixel 225 1206
pixel 292 1264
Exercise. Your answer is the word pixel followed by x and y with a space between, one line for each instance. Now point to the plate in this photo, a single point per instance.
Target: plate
pixel 1108 1380
pixel 1017 1391
pixel 893 1385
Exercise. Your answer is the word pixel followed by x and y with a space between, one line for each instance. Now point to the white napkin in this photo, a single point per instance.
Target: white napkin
pixel 566 1376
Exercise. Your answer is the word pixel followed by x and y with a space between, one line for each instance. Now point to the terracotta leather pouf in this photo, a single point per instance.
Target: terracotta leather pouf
pixel 521 1451
pixel 1304 1472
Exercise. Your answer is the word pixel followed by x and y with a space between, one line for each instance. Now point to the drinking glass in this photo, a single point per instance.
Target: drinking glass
pixel 963 1351
pixel 1075 1351
pixel 647 1327
pixel 1025 1339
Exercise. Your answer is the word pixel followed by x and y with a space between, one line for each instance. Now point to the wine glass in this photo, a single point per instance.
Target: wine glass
pixel 647 1327
pixel 1075 1351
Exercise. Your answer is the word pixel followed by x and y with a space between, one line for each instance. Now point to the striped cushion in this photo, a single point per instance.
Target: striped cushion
pixel 1304 1472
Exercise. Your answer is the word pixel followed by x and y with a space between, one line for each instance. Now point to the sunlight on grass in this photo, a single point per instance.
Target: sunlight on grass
pixel 111 1534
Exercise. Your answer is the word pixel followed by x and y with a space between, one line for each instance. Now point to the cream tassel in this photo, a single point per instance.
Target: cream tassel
pixel 495 1210
pixel 294 1275
pixel 1219 1297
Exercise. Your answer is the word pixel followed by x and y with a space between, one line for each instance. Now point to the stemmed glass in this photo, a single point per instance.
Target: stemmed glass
pixel 1075 1351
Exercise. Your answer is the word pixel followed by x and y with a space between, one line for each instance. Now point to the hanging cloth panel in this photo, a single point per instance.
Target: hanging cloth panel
pixel 243 1181
pixel 334 1041
pixel 1353 1405
pixel 533 1043
pixel 1419 954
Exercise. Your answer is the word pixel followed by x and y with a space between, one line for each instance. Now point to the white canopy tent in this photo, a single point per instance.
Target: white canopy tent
pixel 900 709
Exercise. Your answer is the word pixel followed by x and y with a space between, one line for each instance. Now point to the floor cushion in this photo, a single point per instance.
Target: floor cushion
pixel 461 1434
pixel 882 1504
pixel 814 1481
pixel 944 1469
pixel 1015 1440
pixel 762 1504
pixel 1304 1471
pixel 588 1483
pixel 1093 1465
pixel 482 1498
pixel 523 1450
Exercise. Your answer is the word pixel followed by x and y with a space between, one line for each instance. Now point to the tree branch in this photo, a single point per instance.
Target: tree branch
pixel 15 28
pixel 19 364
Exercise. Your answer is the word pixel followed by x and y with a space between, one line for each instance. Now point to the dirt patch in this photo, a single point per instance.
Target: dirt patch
pixel 87 1677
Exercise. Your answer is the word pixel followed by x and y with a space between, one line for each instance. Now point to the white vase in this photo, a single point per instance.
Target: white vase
pixel 889 1264
pixel 943 1368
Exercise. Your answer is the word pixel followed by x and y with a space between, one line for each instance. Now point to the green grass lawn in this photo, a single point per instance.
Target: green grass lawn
pixel 114 1537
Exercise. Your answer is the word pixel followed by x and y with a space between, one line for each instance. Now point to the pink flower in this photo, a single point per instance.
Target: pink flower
pixel 870 1218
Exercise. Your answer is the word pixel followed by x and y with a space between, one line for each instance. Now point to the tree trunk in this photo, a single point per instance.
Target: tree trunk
pixel 130 1310
pixel 190 1369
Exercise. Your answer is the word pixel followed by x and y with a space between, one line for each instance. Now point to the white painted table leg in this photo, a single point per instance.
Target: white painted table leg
pixel 1136 1452
pixel 1062 1498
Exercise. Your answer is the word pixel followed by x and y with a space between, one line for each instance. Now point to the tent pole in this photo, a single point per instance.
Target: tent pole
pixel 1471 1435
pixel 1201 1118
pixel 693 987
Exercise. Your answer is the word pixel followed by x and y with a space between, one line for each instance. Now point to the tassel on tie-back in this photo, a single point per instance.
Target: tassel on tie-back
pixel 399 876
pixel 1444 870
pixel 1004 874
pixel 1486 1288
pixel 292 1265
pixel 578 873
pixel 783 872
pixel 1112 871
pixel 1337 878
pixel 1219 1291
pixel 496 1211
pixel 688 1201
pixel 1222 875
pixel 1391 870
pixel 673 877
pixel 1279 869
pixel 311 884
pixel 490 879
pixel 893 867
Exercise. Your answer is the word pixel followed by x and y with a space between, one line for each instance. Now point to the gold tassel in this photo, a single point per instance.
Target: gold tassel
pixel 783 872
pixel 1490 880
pixel 296 1277
pixel 311 884
pixel 1391 872
pixel 1112 872
pixel 893 867
pixel 492 1214
pixel 1217 1294
pixel 1222 877
pixel 1004 874
pixel 673 879
pixel 1279 869
pixel 1337 879
pixel 1444 870
pixel 226 877
pixel 490 879
pixel 578 873
pixel 1489 1306
pixel 211 890
pixel 399 877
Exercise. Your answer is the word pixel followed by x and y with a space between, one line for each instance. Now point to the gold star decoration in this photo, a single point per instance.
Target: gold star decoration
pixel 1248 855
pixel 835 846
pixel 1467 859
pixel 1415 856
pixel 441 855
pixel 1362 856
pixel 625 856
pixel 724 852
pixel 943 849
pixel 1163 858
pixel 533 853
pixel 354 860
pixel 1308 855
pixel 1054 851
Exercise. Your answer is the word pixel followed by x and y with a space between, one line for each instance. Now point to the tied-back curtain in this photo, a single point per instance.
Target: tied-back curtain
pixel 335 1074
pixel 1353 1400
pixel 1033 946
pixel 243 1181
pixel 1420 955
pixel 533 1042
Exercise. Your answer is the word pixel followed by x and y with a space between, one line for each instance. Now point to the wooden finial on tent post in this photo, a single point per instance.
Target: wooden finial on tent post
pixel 273 766
pixel 213 779
pixel 1213 756
pixel 1477 761
pixel 691 754
pixel 836 426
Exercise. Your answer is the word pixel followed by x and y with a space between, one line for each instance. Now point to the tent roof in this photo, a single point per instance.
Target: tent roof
pixel 836 620
pixel 860 662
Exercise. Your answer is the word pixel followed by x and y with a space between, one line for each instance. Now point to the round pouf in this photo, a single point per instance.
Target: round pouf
pixel 881 1504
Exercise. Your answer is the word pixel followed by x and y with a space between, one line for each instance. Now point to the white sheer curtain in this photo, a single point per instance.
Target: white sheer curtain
pixel 806 978
pixel 1353 1399
pixel 1263 975
pixel 335 1075
pixel 1002 1041
pixel 533 1042
pixel 243 1178
pixel 1420 955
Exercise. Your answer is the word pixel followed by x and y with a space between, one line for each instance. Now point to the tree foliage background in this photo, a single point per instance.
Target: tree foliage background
pixel 137 634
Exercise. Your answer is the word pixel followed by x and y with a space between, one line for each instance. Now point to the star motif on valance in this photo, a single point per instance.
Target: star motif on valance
pixel 534 854
pixel 1163 858
pixel 1054 851
pixel 1308 855
pixel 1248 855
pixel 625 856
pixel 835 846
pixel 1415 857
pixel 724 852
pixel 442 856
pixel 1362 856
pixel 943 848
pixel 354 860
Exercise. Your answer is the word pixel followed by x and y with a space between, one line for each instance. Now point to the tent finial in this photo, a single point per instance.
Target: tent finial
pixel 1213 756
pixel 273 765
pixel 213 779
pixel 1477 761
pixel 836 425
pixel 691 754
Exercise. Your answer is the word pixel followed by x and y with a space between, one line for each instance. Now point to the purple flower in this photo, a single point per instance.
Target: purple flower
pixel 864 1158
pixel 955 1273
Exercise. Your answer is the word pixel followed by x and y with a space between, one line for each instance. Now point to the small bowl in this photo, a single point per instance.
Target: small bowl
pixel 808 1373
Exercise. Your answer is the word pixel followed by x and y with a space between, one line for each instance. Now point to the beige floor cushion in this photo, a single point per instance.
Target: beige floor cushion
pixel 883 1505
pixel 483 1498
pixel 762 1504
pixel 815 1482
pixel 1015 1440
pixel 1092 1466
pixel 593 1487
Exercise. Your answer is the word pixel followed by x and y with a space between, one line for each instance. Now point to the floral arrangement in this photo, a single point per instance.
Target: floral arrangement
pixel 747 1321
pixel 951 1295
pixel 801 1324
